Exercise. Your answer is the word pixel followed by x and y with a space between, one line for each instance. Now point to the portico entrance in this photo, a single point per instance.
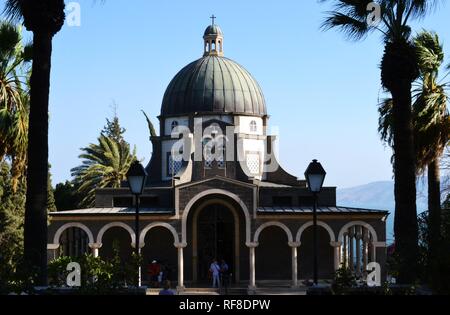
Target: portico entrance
pixel 215 235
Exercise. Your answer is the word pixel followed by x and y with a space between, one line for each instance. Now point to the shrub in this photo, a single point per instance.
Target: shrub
pixel 344 279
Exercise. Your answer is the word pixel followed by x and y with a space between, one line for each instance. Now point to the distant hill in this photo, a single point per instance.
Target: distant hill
pixel 380 195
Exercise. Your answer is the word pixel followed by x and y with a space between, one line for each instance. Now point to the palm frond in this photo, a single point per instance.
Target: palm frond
pixel 419 8
pixel 353 29
pixel 430 52
pixel 385 121
pixel 13 10
pixel 151 127
pixel 14 100
pixel 104 164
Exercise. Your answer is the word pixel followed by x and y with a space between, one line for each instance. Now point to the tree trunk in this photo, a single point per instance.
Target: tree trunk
pixel 35 231
pixel 405 221
pixel 434 211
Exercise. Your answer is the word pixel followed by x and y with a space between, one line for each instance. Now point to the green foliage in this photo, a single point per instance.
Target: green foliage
pixel 104 165
pixel 431 118
pixel 344 279
pixel 443 263
pixel 113 129
pixel 350 17
pixel 14 100
pixel 98 276
pixel 66 196
pixel 51 205
pixel 57 272
pixel 12 208
pixel 151 127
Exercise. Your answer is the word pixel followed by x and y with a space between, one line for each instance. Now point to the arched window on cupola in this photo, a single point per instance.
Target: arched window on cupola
pixel 253 126
pixel 174 125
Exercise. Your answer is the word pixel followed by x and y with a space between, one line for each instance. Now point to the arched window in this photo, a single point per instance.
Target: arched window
pixel 174 125
pixel 253 126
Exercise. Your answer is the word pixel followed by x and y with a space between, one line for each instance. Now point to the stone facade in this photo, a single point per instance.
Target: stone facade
pixel 236 207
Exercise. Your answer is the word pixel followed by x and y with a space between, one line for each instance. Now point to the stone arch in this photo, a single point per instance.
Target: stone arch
pixel 302 229
pixel 205 193
pixel 273 223
pixel 235 213
pixel 116 224
pixel 70 225
pixel 358 223
pixel 144 232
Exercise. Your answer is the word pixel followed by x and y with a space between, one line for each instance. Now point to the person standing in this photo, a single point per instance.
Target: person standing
pixel 215 272
pixel 225 275
pixel 154 270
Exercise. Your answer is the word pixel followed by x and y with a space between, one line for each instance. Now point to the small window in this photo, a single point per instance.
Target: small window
pixel 123 202
pixel 282 201
pixel 253 126
pixel 174 125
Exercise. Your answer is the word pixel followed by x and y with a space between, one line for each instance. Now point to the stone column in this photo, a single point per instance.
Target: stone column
pixel 358 249
pixel 345 251
pixel 252 283
pixel 94 248
pixel 365 249
pixel 337 254
pixel 294 247
pixel 180 247
pixel 350 241
pixel 53 250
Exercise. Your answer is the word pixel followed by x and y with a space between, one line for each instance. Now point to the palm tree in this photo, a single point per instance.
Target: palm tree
pixel 14 101
pixel 398 71
pixel 431 132
pixel 105 165
pixel 432 127
pixel 44 19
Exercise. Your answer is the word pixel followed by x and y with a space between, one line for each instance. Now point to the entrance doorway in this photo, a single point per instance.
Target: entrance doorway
pixel 215 238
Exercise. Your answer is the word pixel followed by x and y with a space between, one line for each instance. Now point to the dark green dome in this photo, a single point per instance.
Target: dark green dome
pixel 213 84
pixel 213 30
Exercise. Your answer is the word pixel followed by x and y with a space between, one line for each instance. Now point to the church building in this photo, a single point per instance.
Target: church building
pixel 215 189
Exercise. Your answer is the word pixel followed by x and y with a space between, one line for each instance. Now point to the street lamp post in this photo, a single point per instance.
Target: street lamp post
pixel 136 177
pixel 315 176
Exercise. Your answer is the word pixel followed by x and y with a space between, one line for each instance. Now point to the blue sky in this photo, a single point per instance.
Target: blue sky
pixel 321 90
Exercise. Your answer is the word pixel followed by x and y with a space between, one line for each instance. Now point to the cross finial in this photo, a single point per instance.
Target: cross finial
pixel 213 18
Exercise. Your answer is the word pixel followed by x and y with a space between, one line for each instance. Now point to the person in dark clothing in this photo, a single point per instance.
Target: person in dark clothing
pixel 225 275
pixel 166 290
pixel 153 271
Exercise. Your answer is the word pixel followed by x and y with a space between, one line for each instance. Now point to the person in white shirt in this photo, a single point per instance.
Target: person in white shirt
pixel 215 272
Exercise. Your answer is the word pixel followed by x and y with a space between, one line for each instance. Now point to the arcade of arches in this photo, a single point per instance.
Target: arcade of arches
pixel 218 228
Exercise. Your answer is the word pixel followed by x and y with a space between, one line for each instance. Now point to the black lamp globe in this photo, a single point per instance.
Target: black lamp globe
pixel 315 176
pixel 136 177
